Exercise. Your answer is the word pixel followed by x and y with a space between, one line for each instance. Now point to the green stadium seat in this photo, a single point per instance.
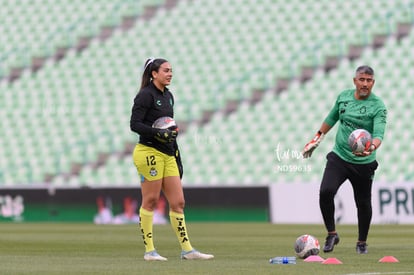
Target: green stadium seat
pixel 216 58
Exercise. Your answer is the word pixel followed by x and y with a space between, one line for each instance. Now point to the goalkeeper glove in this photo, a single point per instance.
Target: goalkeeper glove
pixel 308 150
pixel 166 135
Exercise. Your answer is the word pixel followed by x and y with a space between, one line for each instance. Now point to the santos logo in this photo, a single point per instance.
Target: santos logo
pixel 11 207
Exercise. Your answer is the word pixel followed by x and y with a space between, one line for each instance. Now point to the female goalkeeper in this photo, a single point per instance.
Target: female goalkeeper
pixel 157 159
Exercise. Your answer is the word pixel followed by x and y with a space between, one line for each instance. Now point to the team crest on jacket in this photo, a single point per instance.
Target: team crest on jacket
pixel 153 172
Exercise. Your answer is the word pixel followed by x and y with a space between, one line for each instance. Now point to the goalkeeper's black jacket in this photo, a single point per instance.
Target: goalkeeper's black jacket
pixel 150 104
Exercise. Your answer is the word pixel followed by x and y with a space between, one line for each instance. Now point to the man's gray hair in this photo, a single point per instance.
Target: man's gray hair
pixel 365 70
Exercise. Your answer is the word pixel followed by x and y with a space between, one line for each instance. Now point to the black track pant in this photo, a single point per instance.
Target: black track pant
pixel 337 171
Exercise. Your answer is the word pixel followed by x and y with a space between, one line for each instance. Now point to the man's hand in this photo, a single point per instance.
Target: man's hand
pixel 310 146
pixel 366 152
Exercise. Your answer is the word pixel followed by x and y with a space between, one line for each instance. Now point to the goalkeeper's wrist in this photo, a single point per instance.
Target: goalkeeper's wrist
pixel 318 136
pixel 155 131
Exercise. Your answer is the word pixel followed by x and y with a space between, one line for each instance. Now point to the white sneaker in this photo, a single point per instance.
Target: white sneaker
pixel 153 256
pixel 195 255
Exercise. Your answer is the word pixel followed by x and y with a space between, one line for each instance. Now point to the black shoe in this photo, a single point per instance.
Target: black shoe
pixel 330 242
pixel 361 248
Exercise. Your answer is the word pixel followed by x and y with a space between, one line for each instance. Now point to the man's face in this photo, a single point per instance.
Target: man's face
pixel 363 84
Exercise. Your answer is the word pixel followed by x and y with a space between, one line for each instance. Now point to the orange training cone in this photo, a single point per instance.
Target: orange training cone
pixel 388 259
pixel 332 261
pixel 314 258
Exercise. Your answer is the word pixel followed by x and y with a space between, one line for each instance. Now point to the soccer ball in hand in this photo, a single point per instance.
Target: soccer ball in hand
pixel 306 245
pixel 164 122
pixel 359 140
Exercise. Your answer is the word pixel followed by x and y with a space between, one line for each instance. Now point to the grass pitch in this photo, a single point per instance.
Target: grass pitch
pixel 239 248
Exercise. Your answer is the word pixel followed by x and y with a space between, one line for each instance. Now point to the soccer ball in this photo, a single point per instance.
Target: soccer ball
pixel 359 140
pixel 164 122
pixel 306 245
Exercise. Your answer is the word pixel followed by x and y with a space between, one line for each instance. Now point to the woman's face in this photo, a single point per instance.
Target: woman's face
pixel 163 77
